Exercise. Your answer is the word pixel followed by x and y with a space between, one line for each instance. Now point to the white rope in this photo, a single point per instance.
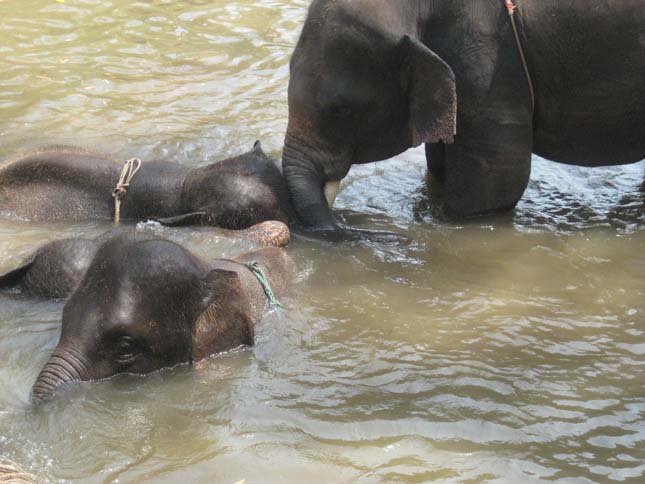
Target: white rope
pixel 127 174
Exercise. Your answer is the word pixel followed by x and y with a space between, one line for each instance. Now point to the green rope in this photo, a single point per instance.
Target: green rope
pixel 259 274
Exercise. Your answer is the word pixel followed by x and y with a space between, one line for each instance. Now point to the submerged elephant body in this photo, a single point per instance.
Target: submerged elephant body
pixel 53 271
pixel 371 78
pixel 147 303
pixel 64 183
pixel 57 268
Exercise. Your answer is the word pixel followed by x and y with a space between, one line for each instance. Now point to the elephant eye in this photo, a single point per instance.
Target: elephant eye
pixel 126 349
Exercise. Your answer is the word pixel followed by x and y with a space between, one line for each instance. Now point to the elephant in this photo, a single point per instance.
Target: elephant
pixel 64 183
pixel 371 78
pixel 146 303
pixel 54 270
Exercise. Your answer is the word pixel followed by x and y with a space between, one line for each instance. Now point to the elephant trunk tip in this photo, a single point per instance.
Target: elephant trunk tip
pixel 42 392
pixel 66 365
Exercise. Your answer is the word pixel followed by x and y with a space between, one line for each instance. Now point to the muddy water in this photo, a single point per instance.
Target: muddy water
pixel 507 350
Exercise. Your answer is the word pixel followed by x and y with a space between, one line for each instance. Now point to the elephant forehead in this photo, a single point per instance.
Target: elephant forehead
pixel 151 256
pixel 390 16
pixel 130 256
pixel 153 297
pixel 126 280
pixel 142 318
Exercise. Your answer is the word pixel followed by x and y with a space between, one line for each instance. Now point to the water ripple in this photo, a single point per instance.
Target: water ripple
pixel 505 350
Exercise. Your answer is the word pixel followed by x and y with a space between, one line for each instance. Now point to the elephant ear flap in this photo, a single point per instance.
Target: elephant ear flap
pixel 225 321
pixel 432 93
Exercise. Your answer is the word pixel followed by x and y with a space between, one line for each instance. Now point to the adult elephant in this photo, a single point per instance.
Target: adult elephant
pixel 372 78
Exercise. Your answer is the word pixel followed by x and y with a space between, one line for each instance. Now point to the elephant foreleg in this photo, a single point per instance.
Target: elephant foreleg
pixel 436 159
pixel 488 167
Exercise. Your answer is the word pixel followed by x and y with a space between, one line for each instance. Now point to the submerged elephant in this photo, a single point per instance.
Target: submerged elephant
pixel 53 271
pixel 371 78
pixel 68 183
pixel 56 269
pixel 147 303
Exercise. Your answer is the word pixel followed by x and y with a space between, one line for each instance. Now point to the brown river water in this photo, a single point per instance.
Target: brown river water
pixel 505 350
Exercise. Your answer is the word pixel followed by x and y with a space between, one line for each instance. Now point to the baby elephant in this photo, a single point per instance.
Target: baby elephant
pixel 56 269
pixel 147 303
pixel 70 184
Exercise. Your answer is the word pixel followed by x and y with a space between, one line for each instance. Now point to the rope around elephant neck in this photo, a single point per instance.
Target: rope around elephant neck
pixel 262 278
pixel 259 274
pixel 130 169
pixel 510 8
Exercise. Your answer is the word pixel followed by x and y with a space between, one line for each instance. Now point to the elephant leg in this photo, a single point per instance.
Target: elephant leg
pixel 488 167
pixel 436 159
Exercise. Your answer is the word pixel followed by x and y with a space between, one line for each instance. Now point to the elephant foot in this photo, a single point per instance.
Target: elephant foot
pixel 271 232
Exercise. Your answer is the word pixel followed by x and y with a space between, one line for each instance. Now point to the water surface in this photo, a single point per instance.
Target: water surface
pixel 505 350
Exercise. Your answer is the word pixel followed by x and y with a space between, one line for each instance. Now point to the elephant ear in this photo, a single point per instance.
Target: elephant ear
pixel 225 321
pixel 432 93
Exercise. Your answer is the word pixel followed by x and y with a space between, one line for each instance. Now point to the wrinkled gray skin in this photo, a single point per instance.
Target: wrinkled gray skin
pixel 147 303
pixel 53 271
pixel 56 269
pixel 372 78
pixel 63 183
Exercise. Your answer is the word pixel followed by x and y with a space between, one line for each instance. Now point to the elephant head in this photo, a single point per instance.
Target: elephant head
pixel 238 192
pixel 362 89
pixel 144 304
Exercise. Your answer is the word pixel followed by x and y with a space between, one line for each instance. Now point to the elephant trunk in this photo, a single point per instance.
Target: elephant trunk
pixel 312 178
pixel 66 365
